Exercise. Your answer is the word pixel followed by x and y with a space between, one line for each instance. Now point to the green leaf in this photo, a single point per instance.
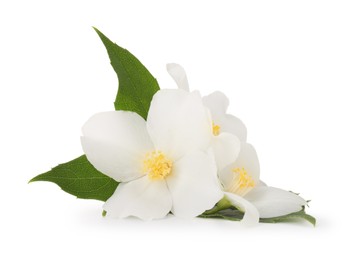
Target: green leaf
pixel 136 85
pixel 236 215
pixel 291 217
pixel 79 178
pixel 224 203
pixel 228 214
pixel 136 89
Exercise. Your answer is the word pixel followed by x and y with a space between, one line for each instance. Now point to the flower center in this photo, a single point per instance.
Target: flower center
pixel 241 182
pixel 157 165
pixel 216 129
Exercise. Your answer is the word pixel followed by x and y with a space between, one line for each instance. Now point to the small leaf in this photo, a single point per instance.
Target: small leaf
pixel 234 214
pixel 79 178
pixel 228 214
pixel 287 218
pixel 224 203
pixel 136 85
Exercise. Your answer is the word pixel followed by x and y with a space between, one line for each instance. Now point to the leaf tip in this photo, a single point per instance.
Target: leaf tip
pixel 313 221
pixel 32 180
pixel 95 29
pixel 100 34
pixel 37 178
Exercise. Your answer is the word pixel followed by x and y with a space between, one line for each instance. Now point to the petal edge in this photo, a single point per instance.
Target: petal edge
pixel 274 202
pixel 251 214
pixel 141 198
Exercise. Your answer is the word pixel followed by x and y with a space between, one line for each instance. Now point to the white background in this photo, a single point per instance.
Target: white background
pixel 285 65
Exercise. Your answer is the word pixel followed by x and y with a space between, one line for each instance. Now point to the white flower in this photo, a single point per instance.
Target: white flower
pixel 217 103
pixel 162 163
pixel 243 188
pixel 240 179
pixel 227 130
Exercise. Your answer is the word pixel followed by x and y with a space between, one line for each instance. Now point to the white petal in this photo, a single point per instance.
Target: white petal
pixel 194 185
pixel 226 148
pixel 247 159
pixel 178 122
pixel 251 214
pixel 115 143
pixel 274 202
pixel 231 124
pixel 141 198
pixel 217 103
pixel 113 126
pixel 112 160
pixel 179 75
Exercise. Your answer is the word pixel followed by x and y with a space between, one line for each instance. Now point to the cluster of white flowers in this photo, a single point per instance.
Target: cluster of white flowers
pixel 183 159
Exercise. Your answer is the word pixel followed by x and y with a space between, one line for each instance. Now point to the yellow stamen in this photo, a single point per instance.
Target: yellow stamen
pixel 157 165
pixel 216 129
pixel 241 182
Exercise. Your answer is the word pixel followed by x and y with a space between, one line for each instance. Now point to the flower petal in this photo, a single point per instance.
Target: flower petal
pixel 113 126
pixel 178 122
pixel 274 202
pixel 194 185
pixel 217 103
pixel 231 124
pixel 112 160
pixel 226 148
pixel 247 159
pixel 251 214
pixel 115 143
pixel 179 75
pixel 141 198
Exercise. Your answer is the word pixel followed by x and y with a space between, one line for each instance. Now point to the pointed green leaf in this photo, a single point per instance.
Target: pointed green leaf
pixel 79 178
pixel 291 217
pixel 136 85
pixel 236 215
pixel 136 89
